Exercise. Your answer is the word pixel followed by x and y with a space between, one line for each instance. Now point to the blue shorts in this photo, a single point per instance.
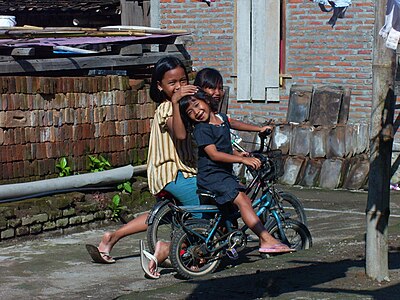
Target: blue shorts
pixel 184 190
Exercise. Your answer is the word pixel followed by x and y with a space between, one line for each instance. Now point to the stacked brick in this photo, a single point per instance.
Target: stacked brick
pixel 44 118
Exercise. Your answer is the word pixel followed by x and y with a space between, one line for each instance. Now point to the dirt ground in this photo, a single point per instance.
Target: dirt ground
pixel 58 267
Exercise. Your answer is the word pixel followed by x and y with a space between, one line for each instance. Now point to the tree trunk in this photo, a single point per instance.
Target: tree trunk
pixel 381 141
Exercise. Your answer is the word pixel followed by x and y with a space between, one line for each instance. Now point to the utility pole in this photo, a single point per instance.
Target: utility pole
pixel 381 141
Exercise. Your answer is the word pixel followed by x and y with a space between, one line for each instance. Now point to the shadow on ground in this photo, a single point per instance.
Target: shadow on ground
pixel 315 277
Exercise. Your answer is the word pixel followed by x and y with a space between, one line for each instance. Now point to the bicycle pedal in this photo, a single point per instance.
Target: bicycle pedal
pixel 232 253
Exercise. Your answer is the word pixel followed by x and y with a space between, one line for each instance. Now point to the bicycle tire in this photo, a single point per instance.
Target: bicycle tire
pixel 161 229
pixel 292 209
pixel 297 234
pixel 185 252
pixel 292 204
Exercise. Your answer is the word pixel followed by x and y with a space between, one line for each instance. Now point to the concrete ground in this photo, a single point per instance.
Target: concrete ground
pixel 58 267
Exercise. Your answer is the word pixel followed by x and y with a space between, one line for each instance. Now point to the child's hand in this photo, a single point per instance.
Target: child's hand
pixel 265 129
pixel 244 154
pixel 182 91
pixel 253 162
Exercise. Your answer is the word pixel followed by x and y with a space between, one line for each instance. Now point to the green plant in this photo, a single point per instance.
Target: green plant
pixel 116 207
pixel 62 166
pixel 97 164
pixel 125 187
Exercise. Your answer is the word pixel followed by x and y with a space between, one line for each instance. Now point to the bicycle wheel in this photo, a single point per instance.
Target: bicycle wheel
pixel 293 207
pixel 297 234
pixel 188 252
pixel 161 229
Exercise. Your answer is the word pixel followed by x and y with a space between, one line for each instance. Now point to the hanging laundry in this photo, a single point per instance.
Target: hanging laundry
pixel 208 1
pixel 338 7
pixel 391 30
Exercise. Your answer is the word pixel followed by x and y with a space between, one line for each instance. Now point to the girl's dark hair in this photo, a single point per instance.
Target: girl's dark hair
pixel 161 67
pixel 208 78
pixel 184 104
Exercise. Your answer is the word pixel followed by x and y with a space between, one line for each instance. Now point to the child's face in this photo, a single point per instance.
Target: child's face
pixel 172 81
pixel 198 111
pixel 217 93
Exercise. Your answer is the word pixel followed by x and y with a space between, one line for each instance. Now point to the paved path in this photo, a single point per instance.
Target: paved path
pixel 58 267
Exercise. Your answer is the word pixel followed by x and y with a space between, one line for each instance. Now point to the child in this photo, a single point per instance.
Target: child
pixel 210 80
pixel 171 162
pixel 212 135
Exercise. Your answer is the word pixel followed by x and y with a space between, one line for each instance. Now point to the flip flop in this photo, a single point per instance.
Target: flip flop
pixel 276 249
pixel 98 256
pixel 145 258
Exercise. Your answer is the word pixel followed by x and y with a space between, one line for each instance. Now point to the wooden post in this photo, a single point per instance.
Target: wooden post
pixel 381 141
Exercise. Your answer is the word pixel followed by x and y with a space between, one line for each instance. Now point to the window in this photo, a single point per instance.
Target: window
pixel 258 44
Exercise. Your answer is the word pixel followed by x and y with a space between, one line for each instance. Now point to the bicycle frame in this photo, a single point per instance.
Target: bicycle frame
pixel 265 203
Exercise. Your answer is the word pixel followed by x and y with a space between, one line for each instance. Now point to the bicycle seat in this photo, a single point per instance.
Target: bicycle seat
pixel 206 196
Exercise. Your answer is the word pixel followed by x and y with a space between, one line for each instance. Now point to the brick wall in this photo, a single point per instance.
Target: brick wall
pixel 212 29
pixel 315 52
pixel 44 118
pixel 319 54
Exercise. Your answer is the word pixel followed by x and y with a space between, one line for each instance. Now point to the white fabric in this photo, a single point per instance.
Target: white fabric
pixel 391 30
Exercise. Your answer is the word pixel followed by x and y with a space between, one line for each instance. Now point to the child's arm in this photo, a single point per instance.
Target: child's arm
pixel 223 157
pixel 241 126
pixel 175 123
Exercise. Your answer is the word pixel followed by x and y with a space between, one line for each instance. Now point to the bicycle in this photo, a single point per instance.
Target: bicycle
pixel 198 245
pixel 160 222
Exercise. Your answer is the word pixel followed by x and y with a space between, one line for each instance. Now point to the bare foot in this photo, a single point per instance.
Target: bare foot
pixel 106 243
pixel 161 253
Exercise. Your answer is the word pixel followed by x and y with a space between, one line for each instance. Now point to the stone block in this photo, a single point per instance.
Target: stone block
pixel 362 138
pixel 318 142
pixel 311 173
pixel 21 231
pixel 281 137
pixel 358 175
pixel 14 223
pixel 325 105
pixel 293 165
pixel 99 215
pixel 301 140
pixel 331 173
pixel 49 225
pixel 336 142
pixel 351 140
pixel 345 106
pixel 87 218
pixel 7 234
pixel 75 220
pixel 299 103
pixel 68 212
pixel 36 229
pixel 61 223
pixel 3 223
pixel 41 218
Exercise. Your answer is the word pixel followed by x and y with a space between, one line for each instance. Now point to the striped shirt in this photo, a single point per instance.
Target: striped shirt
pixel 168 155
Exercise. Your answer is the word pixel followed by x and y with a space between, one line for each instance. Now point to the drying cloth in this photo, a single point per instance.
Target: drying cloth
pixel 339 7
pixel 391 30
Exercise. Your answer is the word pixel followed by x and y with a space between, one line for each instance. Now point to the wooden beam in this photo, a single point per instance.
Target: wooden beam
pixel 9 65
